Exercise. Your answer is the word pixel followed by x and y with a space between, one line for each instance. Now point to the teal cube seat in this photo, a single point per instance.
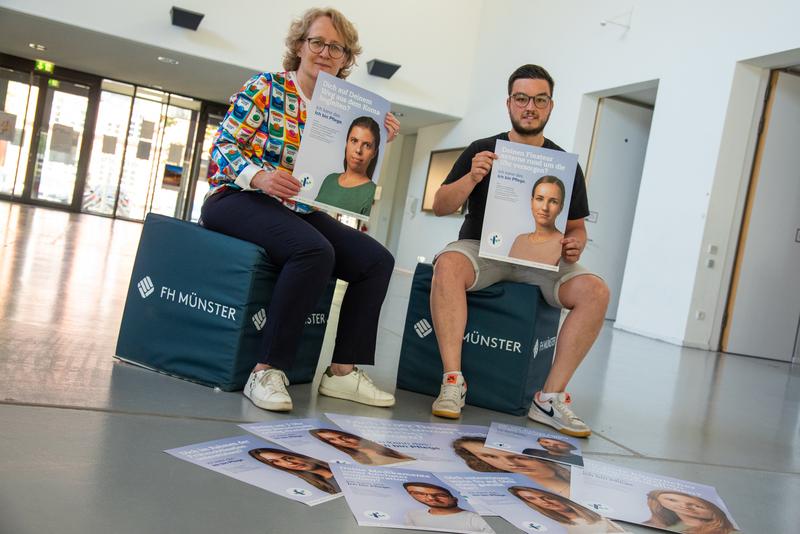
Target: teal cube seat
pixel 197 303
pixel 508 345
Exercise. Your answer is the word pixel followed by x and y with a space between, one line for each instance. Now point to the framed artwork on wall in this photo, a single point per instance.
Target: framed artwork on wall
pixel 439 166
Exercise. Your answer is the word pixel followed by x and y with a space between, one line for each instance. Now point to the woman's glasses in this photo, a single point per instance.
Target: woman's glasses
pixel 317 45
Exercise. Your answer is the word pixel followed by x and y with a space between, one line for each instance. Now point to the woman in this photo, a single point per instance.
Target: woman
pixel 359 449
pixel 483 459
pixel 250 198
pixel 552 476
pixel 353 190
pixel 681 512
pixel 543 245
pixel 575 518
pixel 315 472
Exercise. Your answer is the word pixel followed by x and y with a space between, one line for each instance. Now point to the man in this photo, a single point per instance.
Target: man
pixel 443 512
pixel 459 269
pixel 556 450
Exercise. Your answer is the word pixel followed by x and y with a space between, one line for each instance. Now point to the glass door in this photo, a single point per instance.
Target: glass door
pixel 203 167
pixel 108 148
pixel 19 93
pixel 53 163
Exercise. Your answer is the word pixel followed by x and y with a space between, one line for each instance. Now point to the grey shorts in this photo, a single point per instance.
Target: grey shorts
pixel 488 272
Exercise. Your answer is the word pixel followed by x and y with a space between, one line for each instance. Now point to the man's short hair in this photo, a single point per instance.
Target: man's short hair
pixel 426 485
pixel 533 72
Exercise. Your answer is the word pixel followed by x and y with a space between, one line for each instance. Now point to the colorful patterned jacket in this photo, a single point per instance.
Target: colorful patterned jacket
pixel 261 131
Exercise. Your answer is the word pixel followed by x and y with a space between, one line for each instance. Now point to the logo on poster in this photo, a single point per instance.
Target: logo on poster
pixel 376 514
pixel 599 507
pixel 260 319
pixel 145 287
pixel 423 328
pixel 306 181
pixel 534 526
pixel 298 492
pixel 495 239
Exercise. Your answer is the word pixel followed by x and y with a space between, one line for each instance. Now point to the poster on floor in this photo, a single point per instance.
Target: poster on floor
pixel 344 141
pixel 653 500
pixel 436 447
pixel 265 465
pixel 535 443
pixel 528 506
pixel 327 441
pixel 405 498
pixel 527 205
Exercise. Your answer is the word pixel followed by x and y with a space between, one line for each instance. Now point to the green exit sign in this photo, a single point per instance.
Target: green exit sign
pixel 52 82
pixel 44 66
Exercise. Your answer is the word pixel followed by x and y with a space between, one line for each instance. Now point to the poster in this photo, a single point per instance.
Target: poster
pixel 528 506
pixel 326 442
pixel 403 498
pixel 438 447
pixel 344 141
pixel 527 205
pixel 535 443
pixel 8 123
pixel 265 465
pixel 652 500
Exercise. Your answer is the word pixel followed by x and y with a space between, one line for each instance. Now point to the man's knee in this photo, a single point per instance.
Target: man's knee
pixel 453 269
pixel 587 290
pixel 320 257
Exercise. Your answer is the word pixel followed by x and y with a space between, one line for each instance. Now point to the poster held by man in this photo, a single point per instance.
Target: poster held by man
pixel 527 205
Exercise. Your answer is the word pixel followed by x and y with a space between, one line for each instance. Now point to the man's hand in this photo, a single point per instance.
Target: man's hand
pixel 482 165
pixel 571 248
pixel 278 183
pixel 392 126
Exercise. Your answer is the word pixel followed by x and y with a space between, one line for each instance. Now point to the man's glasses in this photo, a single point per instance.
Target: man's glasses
pixel 521 100
pixel 317 45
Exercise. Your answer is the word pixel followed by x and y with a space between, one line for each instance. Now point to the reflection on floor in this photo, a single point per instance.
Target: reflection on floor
pixel 82 434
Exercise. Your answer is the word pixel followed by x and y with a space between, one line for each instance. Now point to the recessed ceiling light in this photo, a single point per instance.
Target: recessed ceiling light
pixel 37 46
pixel 168 60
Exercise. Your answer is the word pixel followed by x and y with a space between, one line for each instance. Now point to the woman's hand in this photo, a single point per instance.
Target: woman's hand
pixel 278 183
pixel 392 125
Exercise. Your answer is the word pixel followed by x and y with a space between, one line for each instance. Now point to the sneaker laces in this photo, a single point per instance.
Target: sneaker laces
pixel 363 377
pixel 563 408
pixel 450 392
pixel 274 377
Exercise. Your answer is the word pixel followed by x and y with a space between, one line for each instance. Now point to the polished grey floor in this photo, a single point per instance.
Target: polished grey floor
pixel 82 434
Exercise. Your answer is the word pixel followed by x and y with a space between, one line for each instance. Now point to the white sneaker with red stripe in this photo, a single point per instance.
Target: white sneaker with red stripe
pixel 555 412
pixel 451 397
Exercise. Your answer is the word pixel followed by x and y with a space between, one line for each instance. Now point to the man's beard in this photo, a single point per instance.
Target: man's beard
pixel 527 131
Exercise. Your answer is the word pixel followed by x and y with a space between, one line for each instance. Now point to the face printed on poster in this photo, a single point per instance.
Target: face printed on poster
pixel 535 443
pixel 404 498
pixel 265 465
pixel 527 205
pixel 528 506
pixel 329 442
pixel 435 446
pixel 652 500
pixel 344 141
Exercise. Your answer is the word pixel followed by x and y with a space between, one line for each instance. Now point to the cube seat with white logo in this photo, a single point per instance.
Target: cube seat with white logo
pixel 508 345
pixel 197 303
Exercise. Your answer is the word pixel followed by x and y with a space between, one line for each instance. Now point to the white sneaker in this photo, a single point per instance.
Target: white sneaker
pixel 267 390
pixel 557 414
pixel 451 397
pixel 355 386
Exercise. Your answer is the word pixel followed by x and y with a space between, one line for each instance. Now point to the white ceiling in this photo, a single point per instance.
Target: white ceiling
pixel 134 62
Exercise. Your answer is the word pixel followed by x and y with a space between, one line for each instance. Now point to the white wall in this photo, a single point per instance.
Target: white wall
pixel 255 39
pixel 692 49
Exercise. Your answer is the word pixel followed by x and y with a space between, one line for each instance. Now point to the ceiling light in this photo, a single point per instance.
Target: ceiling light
pixel 37 46
pixel 168 60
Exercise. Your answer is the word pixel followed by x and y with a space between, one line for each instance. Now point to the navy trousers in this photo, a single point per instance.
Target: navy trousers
pixel 308 248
